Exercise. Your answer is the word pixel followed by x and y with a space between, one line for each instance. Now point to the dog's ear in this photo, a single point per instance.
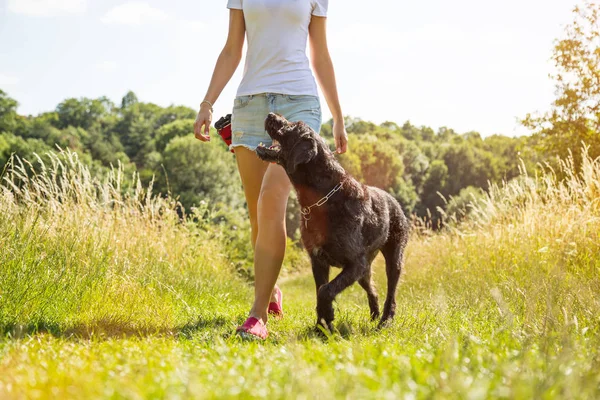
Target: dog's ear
pixel 304 152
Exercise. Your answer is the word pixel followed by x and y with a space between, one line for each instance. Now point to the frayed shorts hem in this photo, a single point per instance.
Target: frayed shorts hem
pixel 247 146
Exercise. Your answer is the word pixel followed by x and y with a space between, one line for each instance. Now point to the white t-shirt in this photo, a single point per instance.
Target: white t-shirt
pixel 277 33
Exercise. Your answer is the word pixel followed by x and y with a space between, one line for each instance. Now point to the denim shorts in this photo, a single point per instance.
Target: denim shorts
pixel 249 113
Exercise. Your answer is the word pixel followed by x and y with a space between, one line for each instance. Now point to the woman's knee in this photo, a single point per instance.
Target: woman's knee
pixel 273 198
pixel 275 187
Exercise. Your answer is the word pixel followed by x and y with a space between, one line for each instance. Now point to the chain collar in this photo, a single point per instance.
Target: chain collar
pixel 305 211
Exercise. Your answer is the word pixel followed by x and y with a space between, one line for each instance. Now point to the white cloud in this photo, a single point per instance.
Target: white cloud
pixel 47 8
pixel 6 80
pixel 134 13
pixel 107 66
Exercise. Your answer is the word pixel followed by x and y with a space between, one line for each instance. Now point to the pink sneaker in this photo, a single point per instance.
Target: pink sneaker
pixel 276 307
pixel 253 329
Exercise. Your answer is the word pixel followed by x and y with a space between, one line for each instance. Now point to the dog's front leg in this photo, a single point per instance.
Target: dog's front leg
pixel 351 272
pixel 267 154
pixel 320 271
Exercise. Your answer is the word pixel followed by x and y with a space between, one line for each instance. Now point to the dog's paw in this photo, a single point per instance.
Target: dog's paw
pixel 268 153
pixel 384 323
pixel 374 315
pixel 260 150
pixel 324 328
pixel 263 152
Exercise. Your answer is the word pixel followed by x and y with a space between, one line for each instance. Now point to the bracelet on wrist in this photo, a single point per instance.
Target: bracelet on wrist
pixel 210 105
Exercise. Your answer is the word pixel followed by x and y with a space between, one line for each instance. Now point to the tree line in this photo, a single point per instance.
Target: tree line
pixel 421 167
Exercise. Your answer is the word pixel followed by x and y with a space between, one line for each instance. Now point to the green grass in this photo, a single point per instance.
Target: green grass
pixel 104 295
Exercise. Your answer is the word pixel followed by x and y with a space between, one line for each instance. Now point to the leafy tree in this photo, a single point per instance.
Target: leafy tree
pixel 174 113
pixel 415 162
pixel 8 113
pixel 4 150
pixel 410 132
pixel 138 139
pixel 128 100
pixel 380 165
pixel 427 134
pixel 106 147
pixel 351 160
pixel 445 135
pixel 358 126
pixel 468 165
pixel 82 113
pixel 390 126
pixel 201 171
pixel 43 127
pixel 510 153
pixel 574 116
pixel 460 206
pixel 405 193
pixel 377 163
pixel 136 130
pixel 152 166
pixel 25 148
pixel 179 127
pixel 327 129
pixel 437 177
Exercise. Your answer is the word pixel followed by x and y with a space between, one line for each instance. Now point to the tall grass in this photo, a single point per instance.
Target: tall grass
pixel 532 247
pixel 84 253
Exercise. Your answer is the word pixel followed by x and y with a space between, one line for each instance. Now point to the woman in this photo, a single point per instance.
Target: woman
pixel 277 78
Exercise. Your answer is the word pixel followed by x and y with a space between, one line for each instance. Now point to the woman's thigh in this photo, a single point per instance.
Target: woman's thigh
pixel 252 171
pixel 274 193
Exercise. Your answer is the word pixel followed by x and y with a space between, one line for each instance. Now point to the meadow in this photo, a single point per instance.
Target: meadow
pixel 106 292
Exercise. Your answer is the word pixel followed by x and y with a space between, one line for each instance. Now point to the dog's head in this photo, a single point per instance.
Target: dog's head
pixel 298 143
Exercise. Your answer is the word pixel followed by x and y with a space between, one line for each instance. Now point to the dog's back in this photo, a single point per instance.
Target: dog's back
pixel 385 220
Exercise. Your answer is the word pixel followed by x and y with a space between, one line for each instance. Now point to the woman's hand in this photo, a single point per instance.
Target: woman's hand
pixel 341 137
pixel 203 119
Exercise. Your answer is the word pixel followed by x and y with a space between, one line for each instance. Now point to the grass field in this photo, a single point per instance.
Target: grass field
pixel 105 295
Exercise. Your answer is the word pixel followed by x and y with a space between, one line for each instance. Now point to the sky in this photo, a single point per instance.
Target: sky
pixel 469 65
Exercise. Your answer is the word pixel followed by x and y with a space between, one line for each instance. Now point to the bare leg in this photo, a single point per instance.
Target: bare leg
pixel 252 171
pixel 270 242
